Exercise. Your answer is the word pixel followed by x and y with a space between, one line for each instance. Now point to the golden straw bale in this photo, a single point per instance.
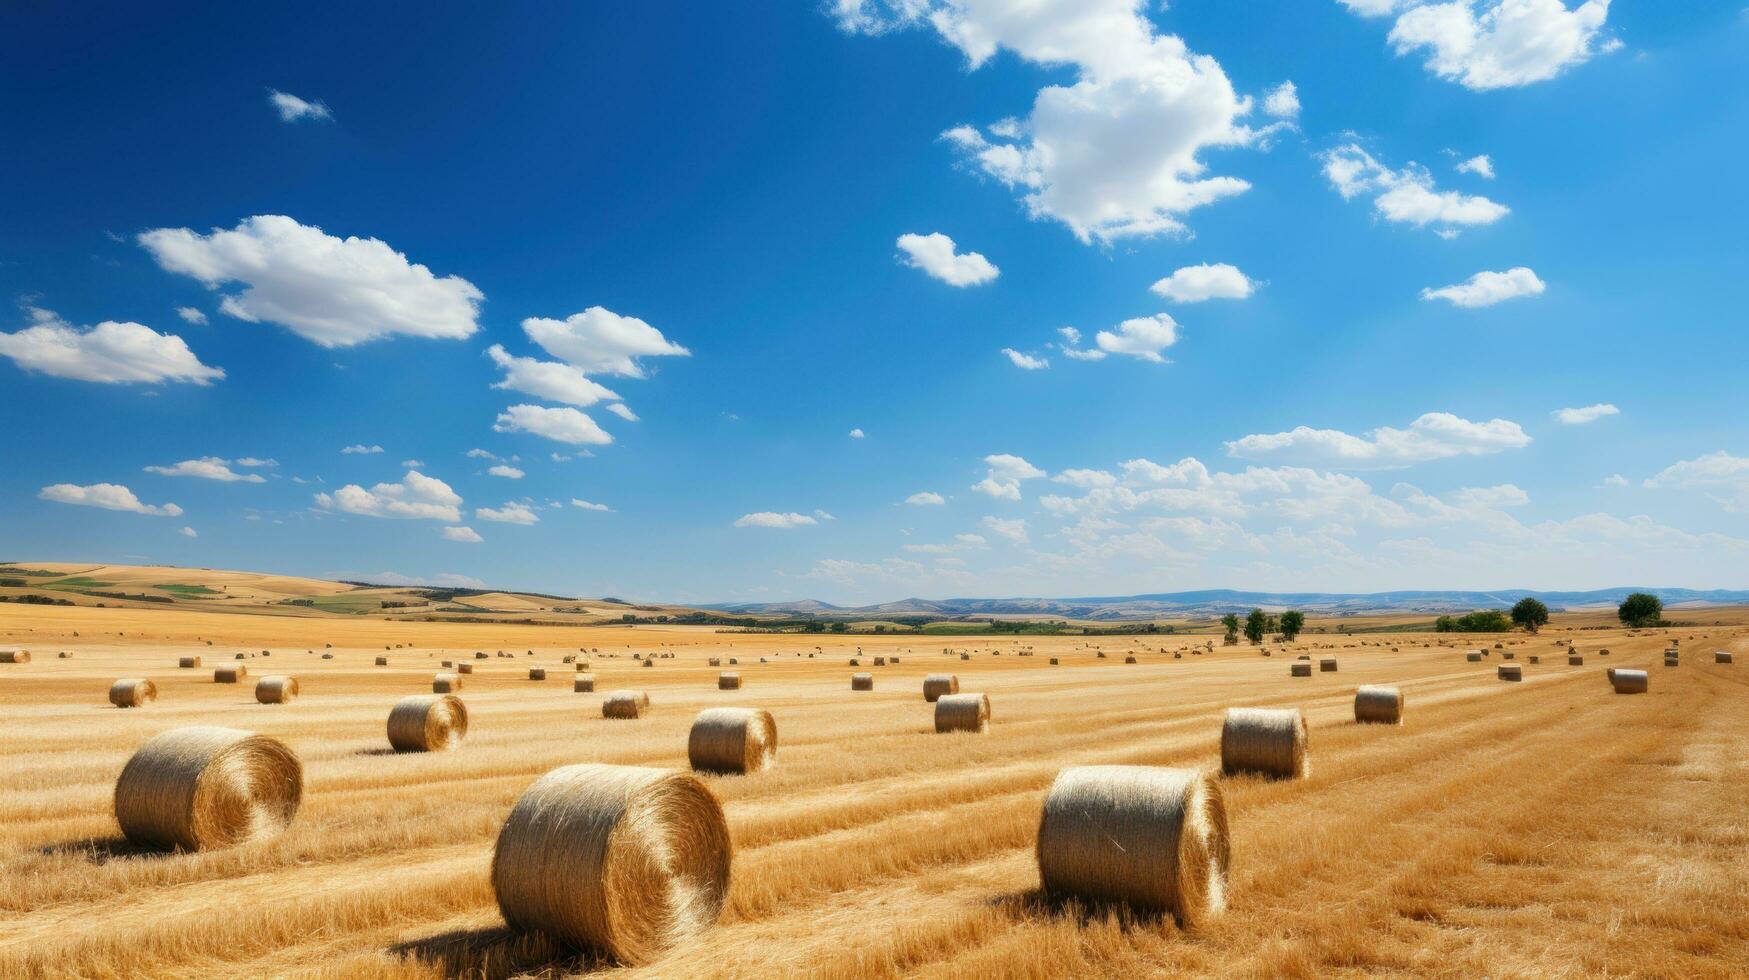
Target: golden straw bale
pixel 229 674
pixel 1267 741
pixel 1300 668
pixel 188 662
pixel 203 787
pixel 862 682
pixel 1327 665
pixel 382 661
pixel 446 684
pixel 880 662
pixel 583 684
pixel 464 667
pixel 1535 659
pixel 1509 672
pixel 1575 661
pixel 732 740
pixel 1721 656
pixel 714 662
pixel 1053 661
pixel 1152 837
pixel 626 860
pixel 1627 681
pixel 729 680
pixel 625 704
pixel 537 673
pixel 14 656
pixel 935 685
pixel 132 692
pixel 1129 660
pixel 1474 656
pixel 962 713
pixel 428 723
pixel 1379 705
pixel 276 689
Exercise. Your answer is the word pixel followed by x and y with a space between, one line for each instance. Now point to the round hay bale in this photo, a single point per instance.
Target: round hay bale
pixel 855 662
pixel 967 656
pixel 187 662
pixel 229 674
pixel 464 667
pixel 446 684
pixel 1626 681
pixel 132 692
pixel 1603 653
pixel 1152 837
pixel 1266 741
pixel 428 723
pixel 583 684
pixel 625 704
pixel 1376 704
pixel 481 654
pixel 1129 660
pixel 962 713
pixel 1721 656
pixel 1300 668
pixel 935 685
pixel 1474 656
pixel 1508 655
pixel 382 661
pixel 1575 661
pixel 732 740
pixel 241 656
pixel 65 655
pixel 627 860
pixel 202 787
pixel 1327 665
pixel 14 656
pixel 1509 672
pixel 880 662
pixel 537 673
pixel 729 680
pixel 276 689
pixel 325 656
pixel 649 663
pixel 862 682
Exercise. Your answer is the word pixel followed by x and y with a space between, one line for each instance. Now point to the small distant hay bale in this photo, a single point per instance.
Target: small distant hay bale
pixel 1474 656
pixel 1509 672
pixel 967 656
pixel 581 666
pixel 962 713
pixel 132 692
pixel 715 662
pixel 481 654
pixel 1148 836
pixel 1327 665
pixel 583 684
pixel 327 656
pixel 428 723
pixel 204 787
pixel 1129 660
pixel 880 662
pixel 1177 656
pixel 1722 656
pixel 625 704
pixel 242 656
pixel 14 656
pixel 649 663
pixel 734 661
pixel 1535 659
pixel 732 740
pixel 1375 704
pixel 1266 741
pixel 446 684
pixel 537 673
pixel 1604 652
pixel 1670 661
pixel 862 682
pixel 569 658
pixel 1053 661
pixel 276 689
pixel 229 674
pixel 729 680
pixel 1575 661
pixel 626 860
pixel 382 661
pixel 891 660
pixel 464 668
pixel 65 655
pixel 187 662
pixel 936 685
pixel 1626 681
pixel 855 662
pixel 1509 655
pixel 1300 668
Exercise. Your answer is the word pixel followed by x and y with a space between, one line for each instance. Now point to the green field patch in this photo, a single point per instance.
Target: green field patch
pixel 189 590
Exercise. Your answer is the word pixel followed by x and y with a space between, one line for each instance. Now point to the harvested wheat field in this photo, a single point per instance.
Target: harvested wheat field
pixel 1545 828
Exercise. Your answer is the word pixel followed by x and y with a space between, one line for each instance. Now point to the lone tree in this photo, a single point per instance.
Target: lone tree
pixel 1530 614
pixel 1231 622
pixel 1256 625
pixel 1292 622
pixel 1641 609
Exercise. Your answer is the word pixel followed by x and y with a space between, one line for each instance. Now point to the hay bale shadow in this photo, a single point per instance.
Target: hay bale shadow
pixel 1035 903
pixel 497 953
pixel 380 750
pixel 102 850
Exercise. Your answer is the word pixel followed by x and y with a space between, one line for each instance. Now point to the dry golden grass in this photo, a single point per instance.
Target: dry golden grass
pixel 1548 828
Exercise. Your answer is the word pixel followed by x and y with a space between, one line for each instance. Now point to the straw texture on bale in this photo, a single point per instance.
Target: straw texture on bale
pixel 1721 656
pixel 962 713
pixel 446 684
pixel 1510 672
pixel 625 704
pixel 188 662
pixel 583 684
pixel 1268 741
pixel 276 689
pixel 428 723
pixel 862 682
pixel 132 692
pixel 1379 705
pixel 1327 665
pixel 1300 669
pixel 1629 681
pixel 229 674
pixel 729 680
pixel 627 860
pixel 936 685
pixel 1148 836
pixel 203 787
pixel 537 673
pixel 732 740
pixel 14 656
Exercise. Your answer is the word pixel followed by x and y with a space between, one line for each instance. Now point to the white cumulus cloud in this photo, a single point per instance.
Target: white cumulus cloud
pixel 1435 435
pixel 1488 288
pixel 555 381
pixel 620 409
pixel 1011 530
pixel 416 497
pixel 507 472
pixel 1025 362
pixel 1481 165
pixel 208 468
pixel 1724 478
pixel 766 518
pixel 109 353
pixel 466 535
pixel 558 424
pixel 191 315
pixel 926 498
pixel 858 434
pixel 292 109
pixel 1406 196
pixel 934 254
pixel 336 292
pixel 511 513
pixel 1492 44
pixel 1580 416
pixel 189 532
pixel 109 496
pixel 587 505
pixel 1283 101
pixel 1195 283
pixel 600 341
pixel 1143 336
pixel 360 449
pixel 1004 476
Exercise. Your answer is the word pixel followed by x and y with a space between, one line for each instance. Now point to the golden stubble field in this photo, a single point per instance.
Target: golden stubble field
pixel 1543 828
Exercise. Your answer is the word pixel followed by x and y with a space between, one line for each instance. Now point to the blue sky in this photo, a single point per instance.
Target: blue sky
pixel 782 287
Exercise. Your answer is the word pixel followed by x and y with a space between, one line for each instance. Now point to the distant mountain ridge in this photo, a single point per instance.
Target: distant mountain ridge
pixel 1214 602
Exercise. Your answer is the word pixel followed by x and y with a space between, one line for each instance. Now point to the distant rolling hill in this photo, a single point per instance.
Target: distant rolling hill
pixel 1215 602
